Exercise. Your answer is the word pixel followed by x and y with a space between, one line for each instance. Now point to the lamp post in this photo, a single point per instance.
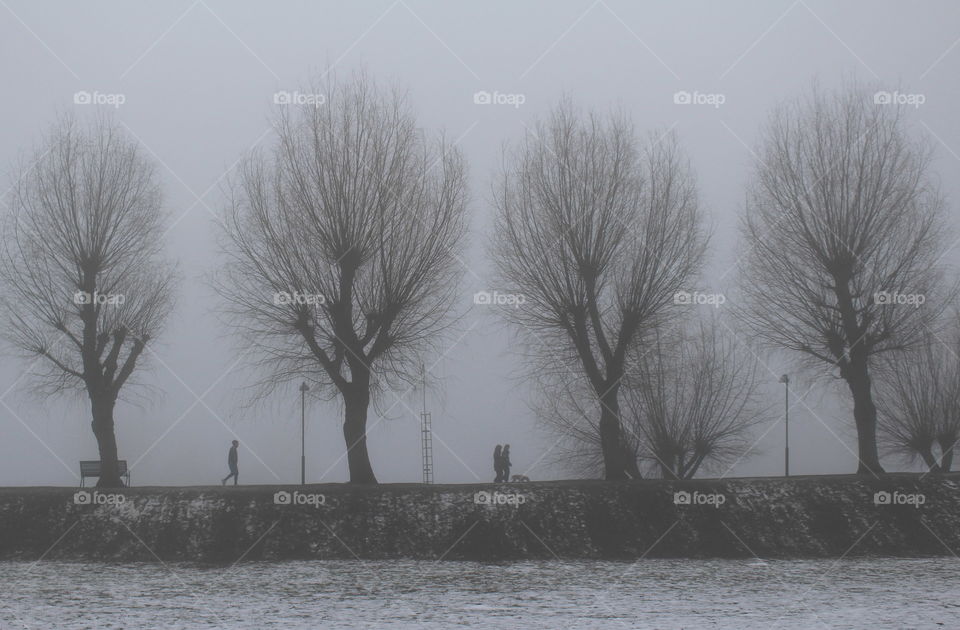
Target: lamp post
pixel 786 414
pixel 304 388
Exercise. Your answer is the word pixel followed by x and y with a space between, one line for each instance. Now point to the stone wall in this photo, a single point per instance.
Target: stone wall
pixel 827 516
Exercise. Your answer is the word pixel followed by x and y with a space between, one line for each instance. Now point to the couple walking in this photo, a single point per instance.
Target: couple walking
pixel 501 463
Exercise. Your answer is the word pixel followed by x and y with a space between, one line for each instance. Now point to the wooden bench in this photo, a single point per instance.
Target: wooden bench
pixel 92 469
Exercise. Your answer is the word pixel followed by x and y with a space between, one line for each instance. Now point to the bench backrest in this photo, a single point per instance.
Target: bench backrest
pixel 92 468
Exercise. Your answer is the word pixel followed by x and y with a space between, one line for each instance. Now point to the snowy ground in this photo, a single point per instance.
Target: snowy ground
pixel 661 594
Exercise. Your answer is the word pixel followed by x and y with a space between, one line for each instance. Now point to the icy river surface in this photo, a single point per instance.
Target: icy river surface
pixel 661 594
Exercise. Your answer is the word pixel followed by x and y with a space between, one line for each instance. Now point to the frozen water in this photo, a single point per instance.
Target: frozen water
pixel 661 594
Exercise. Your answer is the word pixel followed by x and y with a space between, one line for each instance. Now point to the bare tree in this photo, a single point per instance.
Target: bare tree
pixel 341 247
pixel 85 284
pixel 919 402
pixel 843 232
pixel 597 234
pixel 694 400
pixel 691 399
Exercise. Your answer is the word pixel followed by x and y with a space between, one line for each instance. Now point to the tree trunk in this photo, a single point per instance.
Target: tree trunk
pixel 631 467
pixel 611 436
pixel 667 463
pixel 106 442
pixel 926 454
pixel 946 455
pixel 693 467
pixel 356 402
pixel 864 415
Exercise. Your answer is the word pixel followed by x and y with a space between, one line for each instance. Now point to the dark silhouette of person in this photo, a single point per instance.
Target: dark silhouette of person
pixel 505 458
pixel 498 464
pixel 232 463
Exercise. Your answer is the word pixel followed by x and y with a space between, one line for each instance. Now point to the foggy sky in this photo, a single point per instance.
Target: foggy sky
pixel 198 80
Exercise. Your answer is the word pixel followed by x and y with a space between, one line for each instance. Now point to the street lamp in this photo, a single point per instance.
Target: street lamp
pixel 304 388
pixel 786 414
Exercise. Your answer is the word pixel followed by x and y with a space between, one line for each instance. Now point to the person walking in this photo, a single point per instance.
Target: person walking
pixel 232 463
pixel 505 459
pixel 498 464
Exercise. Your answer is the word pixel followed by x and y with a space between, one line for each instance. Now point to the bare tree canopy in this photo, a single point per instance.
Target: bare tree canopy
pixel 341 249
pixel 598 233
pixel 843 233
pixel 86 284
pixel 919 401
pixel 694 400
pixel 691 399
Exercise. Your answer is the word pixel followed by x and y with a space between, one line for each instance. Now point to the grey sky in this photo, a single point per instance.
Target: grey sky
pixel 198 80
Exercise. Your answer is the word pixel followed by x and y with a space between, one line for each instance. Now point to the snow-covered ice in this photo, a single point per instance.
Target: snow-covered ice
pixel 662 594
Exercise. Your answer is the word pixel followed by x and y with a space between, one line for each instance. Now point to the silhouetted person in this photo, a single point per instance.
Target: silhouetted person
pixel 232 463
pixel 498 464
pixel 505 458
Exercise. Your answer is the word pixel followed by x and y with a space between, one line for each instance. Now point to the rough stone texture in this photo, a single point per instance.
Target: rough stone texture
pixel 829 516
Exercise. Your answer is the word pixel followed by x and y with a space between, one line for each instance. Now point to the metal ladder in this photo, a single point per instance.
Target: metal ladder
pixel 426 446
